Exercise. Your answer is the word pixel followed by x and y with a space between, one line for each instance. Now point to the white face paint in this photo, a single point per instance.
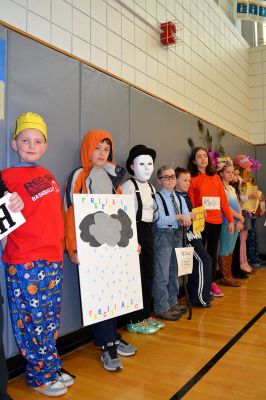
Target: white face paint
pixel 143 167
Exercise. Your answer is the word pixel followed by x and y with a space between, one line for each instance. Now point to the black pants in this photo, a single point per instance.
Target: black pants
pixel 210 239
pixel 199 282
pixel 145 239
pixel 3 368
pixel 236 258
pixel 104 332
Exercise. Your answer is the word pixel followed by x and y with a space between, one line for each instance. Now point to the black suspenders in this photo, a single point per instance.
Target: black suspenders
pixel 165 206
pixel 140 206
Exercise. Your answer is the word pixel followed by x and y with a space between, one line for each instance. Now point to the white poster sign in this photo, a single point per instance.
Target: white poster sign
pixel 109 272
pixel 184 257
pixel 9 221
pixel 211 203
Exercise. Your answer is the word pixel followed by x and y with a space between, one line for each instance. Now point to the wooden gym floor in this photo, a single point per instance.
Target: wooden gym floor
pixel 219 355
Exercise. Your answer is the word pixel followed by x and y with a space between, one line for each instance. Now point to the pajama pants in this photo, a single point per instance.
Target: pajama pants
pixel 34 293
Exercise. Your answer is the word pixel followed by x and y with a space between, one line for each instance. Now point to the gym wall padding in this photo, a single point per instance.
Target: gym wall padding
pixel 261 179
pixel 74 98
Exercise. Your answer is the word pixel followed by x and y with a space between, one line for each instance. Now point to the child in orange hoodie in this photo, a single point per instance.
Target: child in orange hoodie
pixel 97 175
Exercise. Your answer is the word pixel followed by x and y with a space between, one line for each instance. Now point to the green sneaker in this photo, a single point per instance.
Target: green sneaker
pixel 143 328
pixel 153 322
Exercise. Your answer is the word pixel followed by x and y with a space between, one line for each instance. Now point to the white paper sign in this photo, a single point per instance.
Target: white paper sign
pixel 184 257
pixel 109 271
pixel 211 203
pixel 9 221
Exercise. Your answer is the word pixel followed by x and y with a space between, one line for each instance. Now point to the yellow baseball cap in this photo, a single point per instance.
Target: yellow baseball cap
pixel 30 120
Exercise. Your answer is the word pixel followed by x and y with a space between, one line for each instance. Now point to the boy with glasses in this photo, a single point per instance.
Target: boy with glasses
pixel 173 214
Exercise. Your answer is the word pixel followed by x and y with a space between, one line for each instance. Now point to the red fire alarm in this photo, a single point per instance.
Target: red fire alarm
pixel 168 34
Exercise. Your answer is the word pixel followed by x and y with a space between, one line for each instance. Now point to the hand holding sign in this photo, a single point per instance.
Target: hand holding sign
pixel 9 221
pixel 198 223
pixel 15 203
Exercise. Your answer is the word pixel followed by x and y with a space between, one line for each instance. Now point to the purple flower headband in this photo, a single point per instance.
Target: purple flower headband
pixel 214 155
pixel 255 164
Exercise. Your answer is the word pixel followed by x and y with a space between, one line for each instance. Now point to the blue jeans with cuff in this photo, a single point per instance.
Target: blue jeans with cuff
pixel 165 283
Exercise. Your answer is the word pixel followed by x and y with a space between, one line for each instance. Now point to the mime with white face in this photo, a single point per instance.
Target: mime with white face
pixel 140 164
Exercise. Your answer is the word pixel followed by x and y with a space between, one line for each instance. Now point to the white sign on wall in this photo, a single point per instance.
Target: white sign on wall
pixel 9 221
pixel 109 272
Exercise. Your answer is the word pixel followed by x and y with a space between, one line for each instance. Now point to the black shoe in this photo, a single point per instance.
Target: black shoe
pixel 200 305
pixel 241 274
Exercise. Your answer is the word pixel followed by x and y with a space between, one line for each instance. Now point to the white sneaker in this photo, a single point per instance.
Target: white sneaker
pixel 52 388
pixel 65 377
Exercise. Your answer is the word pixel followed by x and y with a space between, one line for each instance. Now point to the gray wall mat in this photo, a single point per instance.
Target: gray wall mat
pixel 261 179
pixel 74 98
pixel 105 106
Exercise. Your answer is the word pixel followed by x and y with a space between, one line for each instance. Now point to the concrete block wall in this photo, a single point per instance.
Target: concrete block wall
pixel 207 75
pixel 257 62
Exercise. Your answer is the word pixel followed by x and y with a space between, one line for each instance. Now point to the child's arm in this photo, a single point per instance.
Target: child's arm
pixel 191 193
pixel 74 258
pixel 186 218
pixel 3 187
pixel 193 215
pixel 162 218
pixel 3 242
pixel 238 215
pixel 69 220
pixel 15 202
pixel 225 207
pixel 70 234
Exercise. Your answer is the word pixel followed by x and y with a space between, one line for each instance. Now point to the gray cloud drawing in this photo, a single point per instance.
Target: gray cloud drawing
pixel 100 228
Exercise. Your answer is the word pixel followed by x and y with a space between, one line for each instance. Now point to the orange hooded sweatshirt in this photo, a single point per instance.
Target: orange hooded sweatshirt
pixel 79 181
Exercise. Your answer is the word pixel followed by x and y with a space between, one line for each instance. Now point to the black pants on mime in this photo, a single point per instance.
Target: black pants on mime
pixel 145 239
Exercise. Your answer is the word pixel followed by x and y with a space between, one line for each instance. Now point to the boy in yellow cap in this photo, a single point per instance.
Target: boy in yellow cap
pixel 33 259
pixel 16 204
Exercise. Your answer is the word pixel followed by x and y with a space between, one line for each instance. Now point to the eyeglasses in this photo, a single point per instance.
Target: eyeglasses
pixel 168 178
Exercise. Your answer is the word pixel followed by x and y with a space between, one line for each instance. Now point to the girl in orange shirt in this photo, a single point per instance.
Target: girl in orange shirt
pixel 206 189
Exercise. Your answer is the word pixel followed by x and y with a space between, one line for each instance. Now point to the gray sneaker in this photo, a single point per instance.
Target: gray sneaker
pixel 52 388
pixel 110 358
pixel 179 308
pixel 169 315
pixel 65 377
pixel 124 348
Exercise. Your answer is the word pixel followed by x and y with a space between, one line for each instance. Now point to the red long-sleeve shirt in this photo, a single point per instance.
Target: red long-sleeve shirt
pixel 41 236
pixel 204 185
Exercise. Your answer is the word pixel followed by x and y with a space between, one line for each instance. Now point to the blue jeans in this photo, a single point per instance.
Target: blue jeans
pixel 165 283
